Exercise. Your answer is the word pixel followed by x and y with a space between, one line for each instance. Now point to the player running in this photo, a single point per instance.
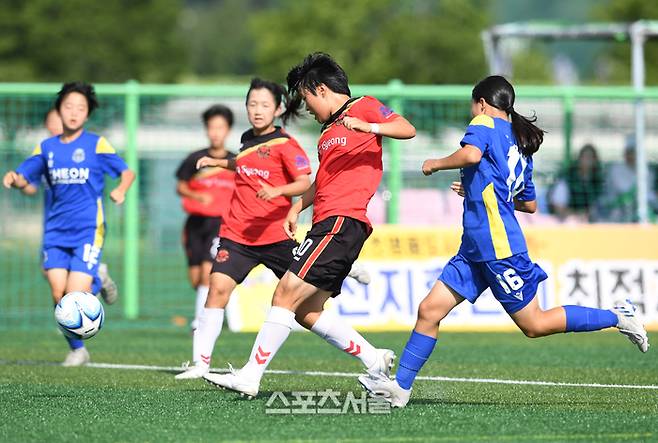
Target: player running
pixel 74 165
pixel 271 168
pixel 496 164
pixel 108 288
pixel 350 153
pixel 206 195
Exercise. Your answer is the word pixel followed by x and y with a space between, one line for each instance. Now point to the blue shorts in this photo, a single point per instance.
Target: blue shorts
pixel 85 259
pixel 513 280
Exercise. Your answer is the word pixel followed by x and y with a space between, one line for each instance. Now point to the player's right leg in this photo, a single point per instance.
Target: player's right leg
pixel 56 263
pixel 434 308
pixel 233 263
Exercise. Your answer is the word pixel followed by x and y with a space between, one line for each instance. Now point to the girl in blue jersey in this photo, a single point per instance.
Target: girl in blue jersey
pixel 74 164
pixel 496 165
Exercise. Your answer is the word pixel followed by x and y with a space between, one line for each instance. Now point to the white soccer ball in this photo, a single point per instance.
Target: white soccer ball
pixel 79 315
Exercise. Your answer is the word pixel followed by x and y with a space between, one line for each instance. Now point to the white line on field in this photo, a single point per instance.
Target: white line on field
pixel 354 374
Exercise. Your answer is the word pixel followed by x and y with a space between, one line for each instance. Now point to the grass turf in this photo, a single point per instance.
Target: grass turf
pixel 41 401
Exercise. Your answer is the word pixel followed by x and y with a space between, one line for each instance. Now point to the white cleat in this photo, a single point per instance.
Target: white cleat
pixel 109 290
pixel 630 325
pixel 384 363
pixel 384 387
pixel 360 273
pixel 197 370
pixel 77 357
pixel 235 382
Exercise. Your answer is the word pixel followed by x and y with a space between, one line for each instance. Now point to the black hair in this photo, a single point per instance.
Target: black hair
pixel 499 93
pixel 316 69
pixel 278 91
pixel 83 88
pixel 218 111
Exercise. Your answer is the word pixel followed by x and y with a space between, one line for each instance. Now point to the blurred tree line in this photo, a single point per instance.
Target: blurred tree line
pixel 417 41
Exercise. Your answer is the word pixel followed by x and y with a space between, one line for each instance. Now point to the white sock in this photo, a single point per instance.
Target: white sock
pixel 271 336
pixel 205 336
pixel 345 338
pixel 201 296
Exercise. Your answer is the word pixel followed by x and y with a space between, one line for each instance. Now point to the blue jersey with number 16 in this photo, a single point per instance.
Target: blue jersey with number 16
pixel 491 231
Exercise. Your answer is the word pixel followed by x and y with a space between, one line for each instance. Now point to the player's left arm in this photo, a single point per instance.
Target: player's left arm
pixel 118 194
pixel 399 127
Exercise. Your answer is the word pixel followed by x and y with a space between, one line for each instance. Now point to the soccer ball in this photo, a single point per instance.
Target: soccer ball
pixel 79 315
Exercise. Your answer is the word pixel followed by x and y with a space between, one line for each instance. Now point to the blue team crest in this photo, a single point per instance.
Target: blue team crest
pixel 385 110
pixel 78 155
pixel 301 161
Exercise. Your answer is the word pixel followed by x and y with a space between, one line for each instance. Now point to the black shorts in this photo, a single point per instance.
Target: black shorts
pixel 237 260
pixel 200 239
pixel 326 255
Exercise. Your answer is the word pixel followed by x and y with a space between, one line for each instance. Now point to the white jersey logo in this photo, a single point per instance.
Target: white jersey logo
pixel 515 183
pixel 78 155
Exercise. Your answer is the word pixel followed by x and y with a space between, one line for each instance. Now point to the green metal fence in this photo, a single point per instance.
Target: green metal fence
pixel 155 126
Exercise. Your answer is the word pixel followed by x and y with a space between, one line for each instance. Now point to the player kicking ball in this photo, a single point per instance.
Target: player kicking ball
pixel 350 153
pixel 496 164
pixel 271 169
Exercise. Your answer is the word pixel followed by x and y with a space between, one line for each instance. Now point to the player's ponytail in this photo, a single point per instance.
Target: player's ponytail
pixel 499 93
pixel 316 69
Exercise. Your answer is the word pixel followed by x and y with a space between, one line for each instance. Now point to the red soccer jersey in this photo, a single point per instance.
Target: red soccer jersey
pixel 350 162
pixel 275 159
pixel 217 182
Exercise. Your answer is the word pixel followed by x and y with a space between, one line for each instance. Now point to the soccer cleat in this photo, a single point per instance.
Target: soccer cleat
pixel 359 273
pixel 384 387
pixel 630 325
pixel 384 363
pixel 109 289
pixel 234 381
pixel 77 357
pixel 197 370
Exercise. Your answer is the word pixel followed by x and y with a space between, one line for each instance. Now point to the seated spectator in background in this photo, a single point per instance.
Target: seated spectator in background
pixel 618 204
pixel 580 186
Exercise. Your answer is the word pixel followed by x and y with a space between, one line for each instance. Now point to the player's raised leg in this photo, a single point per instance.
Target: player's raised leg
pixel 328 326
pixel 535 322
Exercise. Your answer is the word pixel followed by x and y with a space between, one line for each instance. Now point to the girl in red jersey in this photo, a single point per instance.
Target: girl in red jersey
pixel 270 168
pixel 350 153
pixel 205 196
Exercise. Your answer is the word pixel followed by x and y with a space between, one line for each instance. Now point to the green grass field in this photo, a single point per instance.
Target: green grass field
pixel 44 402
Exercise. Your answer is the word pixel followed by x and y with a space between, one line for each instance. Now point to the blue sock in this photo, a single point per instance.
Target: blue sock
pixel 415 354
pixel 581 319
pixel 75 343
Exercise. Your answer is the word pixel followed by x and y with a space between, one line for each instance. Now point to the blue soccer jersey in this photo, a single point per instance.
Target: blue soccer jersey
pixel 75 173
pixel 491 231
